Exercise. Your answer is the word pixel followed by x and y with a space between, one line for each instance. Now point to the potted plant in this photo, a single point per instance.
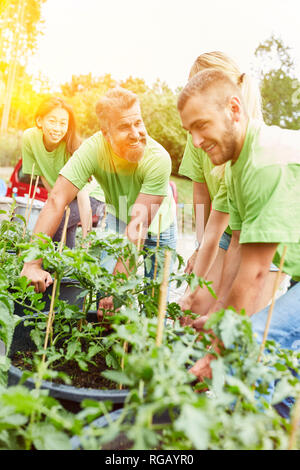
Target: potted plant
pixel 76 333
pixel 234 414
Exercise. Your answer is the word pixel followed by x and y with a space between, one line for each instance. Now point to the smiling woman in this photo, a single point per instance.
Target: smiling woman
pixel 46 149
pixel 54 126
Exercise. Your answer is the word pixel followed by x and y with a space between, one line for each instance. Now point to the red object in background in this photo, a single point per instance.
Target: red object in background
pixel 19 184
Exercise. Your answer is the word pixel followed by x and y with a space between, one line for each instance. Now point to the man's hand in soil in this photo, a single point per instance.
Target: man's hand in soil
pixel 39 278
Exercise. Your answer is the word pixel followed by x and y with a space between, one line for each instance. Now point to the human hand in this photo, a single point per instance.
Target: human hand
pixel 186 320
pixel 199 323
pixel 105 307
pixel 201 369
pixel 185 302
pixel 39 278
pixel 191 262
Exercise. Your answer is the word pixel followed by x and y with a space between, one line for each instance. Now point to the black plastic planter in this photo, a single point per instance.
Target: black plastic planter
pixel 69 291
pixel 99 423
pixel 69 396
pixel 120 442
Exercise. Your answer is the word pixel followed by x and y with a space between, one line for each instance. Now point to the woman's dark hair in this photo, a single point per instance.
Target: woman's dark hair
pixel 71 138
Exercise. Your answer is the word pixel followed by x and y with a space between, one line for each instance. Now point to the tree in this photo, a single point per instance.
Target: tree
pixel 159 109
pixel 280 89
pixel 19 30
pixel 158 105
pixel 29 27
pixel 83 93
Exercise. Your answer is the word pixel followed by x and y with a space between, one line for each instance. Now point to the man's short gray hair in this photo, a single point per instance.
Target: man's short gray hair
pixel 115 100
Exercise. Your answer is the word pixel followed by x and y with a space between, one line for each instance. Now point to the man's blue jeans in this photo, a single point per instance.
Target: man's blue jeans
pixel 284 329
pixel 97 208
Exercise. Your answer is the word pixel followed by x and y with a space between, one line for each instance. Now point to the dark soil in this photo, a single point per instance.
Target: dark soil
pixel 86 379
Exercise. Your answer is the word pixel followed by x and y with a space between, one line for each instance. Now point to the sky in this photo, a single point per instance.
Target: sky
pixel 157 39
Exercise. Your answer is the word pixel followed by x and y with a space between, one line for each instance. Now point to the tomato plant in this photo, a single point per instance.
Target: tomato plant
pixel 165 407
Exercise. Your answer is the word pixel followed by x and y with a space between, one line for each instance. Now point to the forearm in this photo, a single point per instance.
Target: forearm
pixel 46 184
pixel 202 206
pixel 245 291
pixel 206 256
pixel 142 214
pixel 251 277
pixel 47 223
pixel 50 216
pixel 232 260
pixel 204 260
pixel 136 232
pixel 217 223
pixel 84 207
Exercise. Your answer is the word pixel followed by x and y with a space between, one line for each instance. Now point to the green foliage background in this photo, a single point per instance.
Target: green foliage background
pixel 280 91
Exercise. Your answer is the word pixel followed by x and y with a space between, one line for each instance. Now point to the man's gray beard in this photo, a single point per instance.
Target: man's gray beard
pixel 134 156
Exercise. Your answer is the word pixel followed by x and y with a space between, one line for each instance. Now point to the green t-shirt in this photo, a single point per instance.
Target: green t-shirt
pixel 121 180
pixel 48 164
pixel 264 191
pixel 197 166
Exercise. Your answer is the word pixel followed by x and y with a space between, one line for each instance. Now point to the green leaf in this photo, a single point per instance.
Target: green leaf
pixel 116 376
pixel 195 424
pixel 218 378
pixel 46 437
pixel 73 348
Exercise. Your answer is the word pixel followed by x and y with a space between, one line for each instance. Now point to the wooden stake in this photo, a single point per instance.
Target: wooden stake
pixel 103 221
pixel 139 237
pixel 51 311
pixel 30 186
pixel 276 284
pixel 125 345
pixel 125 349
pixel 294 425
pixel 157 246
pixel 163 299
pixel 90 221
pixel 32 201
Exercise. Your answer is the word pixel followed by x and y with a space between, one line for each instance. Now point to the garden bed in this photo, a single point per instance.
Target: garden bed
pixel 90 378
pixel 144 361
pixel 85 384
